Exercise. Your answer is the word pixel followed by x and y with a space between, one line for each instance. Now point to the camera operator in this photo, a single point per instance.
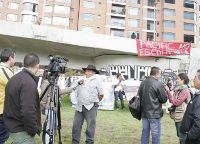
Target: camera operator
pixel 89 93
pixel 22 107
pixel 179 102
pixel 46 99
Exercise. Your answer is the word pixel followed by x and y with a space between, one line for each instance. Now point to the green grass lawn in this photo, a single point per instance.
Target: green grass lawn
pixel 113 127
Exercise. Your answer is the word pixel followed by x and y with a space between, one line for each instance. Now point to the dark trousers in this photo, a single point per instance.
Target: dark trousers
pixel 90 117
pixel 118 94
pixel 182 137
pixel 4 134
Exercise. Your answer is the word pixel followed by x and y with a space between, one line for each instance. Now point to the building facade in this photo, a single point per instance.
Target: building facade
pixel 153 20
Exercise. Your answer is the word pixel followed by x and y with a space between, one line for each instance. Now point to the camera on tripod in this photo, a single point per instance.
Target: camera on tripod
pixel 52 124
pixel 57 64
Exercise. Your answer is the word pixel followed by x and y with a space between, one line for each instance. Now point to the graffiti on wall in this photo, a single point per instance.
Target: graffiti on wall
pixel 136 72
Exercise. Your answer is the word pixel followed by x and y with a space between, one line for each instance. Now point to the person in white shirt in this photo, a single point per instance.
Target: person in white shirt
pixel 89 93
pixel 119 91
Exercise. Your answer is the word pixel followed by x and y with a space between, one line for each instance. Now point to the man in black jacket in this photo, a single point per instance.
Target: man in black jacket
pixel 152 94
pixel 22 107
pixel 191 120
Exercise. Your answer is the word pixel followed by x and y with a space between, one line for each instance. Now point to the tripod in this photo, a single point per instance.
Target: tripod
pixel 52 123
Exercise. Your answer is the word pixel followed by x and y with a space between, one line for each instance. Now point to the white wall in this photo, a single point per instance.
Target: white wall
pixel 133 66
pixel 106 60
pixel 75 62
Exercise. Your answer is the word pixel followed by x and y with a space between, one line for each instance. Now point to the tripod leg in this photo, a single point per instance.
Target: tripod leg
pixel 59 123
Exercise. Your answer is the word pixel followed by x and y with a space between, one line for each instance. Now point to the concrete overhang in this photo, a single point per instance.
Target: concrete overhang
pixel 45 39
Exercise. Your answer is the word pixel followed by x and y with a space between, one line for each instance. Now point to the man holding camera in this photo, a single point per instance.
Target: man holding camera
pixel 22 107
pixel 7 61
pixel 89 93
pixel 191 120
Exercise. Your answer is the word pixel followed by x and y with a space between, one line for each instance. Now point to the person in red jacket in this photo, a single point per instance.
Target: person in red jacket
pixel 179 100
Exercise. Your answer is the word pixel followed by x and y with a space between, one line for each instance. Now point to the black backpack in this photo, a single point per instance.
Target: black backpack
pixel 135 107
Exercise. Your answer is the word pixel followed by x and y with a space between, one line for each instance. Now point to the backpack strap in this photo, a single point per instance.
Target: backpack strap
pixel 44 92
pixel 5 74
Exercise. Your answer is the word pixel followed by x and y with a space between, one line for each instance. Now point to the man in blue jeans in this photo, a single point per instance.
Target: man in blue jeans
pixel 152 94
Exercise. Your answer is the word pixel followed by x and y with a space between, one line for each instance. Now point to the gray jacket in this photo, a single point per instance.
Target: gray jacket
pixel 153 95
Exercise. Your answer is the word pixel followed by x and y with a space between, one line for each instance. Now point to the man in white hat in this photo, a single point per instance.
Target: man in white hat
pixel 89 93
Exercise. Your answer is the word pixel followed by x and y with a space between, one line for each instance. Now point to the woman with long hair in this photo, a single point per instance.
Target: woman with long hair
pixel 179 101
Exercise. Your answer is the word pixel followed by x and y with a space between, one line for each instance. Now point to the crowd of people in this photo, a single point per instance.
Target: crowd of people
pixel 185 108
pixel 20 106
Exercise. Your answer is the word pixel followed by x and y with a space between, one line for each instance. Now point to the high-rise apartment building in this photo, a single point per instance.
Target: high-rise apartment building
pixel 157 20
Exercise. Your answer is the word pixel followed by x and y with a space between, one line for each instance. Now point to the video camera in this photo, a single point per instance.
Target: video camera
pixel 57 64
pixel 172 108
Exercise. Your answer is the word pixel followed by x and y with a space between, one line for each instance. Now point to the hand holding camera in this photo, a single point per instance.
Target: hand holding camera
pixel 166 87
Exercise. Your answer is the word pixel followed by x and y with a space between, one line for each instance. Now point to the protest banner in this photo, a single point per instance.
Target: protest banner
pixel 153 48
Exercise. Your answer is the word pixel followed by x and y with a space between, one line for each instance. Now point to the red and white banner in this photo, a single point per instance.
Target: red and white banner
pixel 152 48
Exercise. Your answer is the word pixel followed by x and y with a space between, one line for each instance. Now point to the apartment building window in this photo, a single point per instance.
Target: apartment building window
pixel 88 29
pixel 61 9
pixel 88 16
pixel 189 15
pixel 47 20
pixel 32 7
pixel 150 13
pixel 169 23
pixel 13 5
pixel 118 33
pixel 133 22
pixel 136 33
pixel 29 18
pixel 60 21
pixel 189 38
pixel 134 1
pixel 151 3
pixel 118 22
pixel 190 27
pixel 64 1
pixel 118 10
pixel 169 12
pixel 133 11
pixel 168 36
pixel 150 25
pixel 89 4
pixel 190 4
pixel 11 17
pixel 150 36
pixel 170 1
pixel 48 8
